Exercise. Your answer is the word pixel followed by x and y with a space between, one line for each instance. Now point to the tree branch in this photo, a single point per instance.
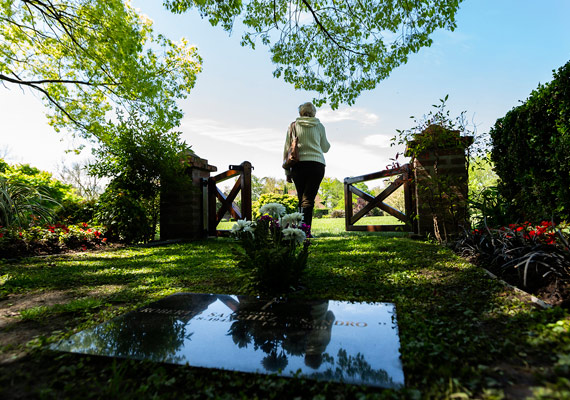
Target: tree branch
pixel 42 90
pixel 327 33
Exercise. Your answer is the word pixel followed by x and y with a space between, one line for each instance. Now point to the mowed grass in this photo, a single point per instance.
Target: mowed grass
pixel 463 334
pixel 323 227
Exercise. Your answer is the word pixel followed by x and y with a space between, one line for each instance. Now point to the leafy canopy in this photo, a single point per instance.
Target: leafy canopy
pixel 89 59
pixel 337 48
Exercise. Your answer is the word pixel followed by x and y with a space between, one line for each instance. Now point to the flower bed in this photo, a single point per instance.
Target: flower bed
pixel 535 258
pixel 49 239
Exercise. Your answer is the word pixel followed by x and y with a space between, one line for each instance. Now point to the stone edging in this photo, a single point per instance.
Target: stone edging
pixel 534 299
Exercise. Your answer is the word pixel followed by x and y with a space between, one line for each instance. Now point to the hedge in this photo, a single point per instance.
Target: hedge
pixel 531 152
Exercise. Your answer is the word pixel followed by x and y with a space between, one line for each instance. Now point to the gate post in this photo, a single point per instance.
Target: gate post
pixel 181 200
pixel 440 181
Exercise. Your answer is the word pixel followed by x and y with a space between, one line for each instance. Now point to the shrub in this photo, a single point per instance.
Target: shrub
pixel 531 149
pixel 320 212
pixel 42 181
pixel 337 214
pixel 488 208
pixel 73 211
pixel 22 204
pixel 288 201
pixel 123 215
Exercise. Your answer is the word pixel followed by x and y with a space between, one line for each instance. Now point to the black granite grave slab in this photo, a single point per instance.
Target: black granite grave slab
pixel 327 340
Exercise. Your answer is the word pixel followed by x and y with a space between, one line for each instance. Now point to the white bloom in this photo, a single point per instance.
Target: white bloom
pixel 274 209
pixel 251 229
pixel 291 219
pixel 294 234
pixel 241 225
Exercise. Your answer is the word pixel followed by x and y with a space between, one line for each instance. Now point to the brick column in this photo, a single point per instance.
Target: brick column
pixel 440 182
pixel 181 201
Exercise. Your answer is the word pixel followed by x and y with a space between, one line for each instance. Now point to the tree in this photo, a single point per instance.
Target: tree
pixel 272 185
pixel 136 155
pixel 89 59
pixel 77 175
pixel 331 192
pixel 337 48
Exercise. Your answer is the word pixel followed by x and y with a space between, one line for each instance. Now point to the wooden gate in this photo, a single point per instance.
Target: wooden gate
pixel 404 175
pixel 213 193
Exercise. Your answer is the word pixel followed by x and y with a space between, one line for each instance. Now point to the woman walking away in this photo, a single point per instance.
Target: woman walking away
pixel 309 171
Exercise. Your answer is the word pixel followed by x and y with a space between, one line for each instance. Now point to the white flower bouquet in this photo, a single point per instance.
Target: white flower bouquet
pixel 274 248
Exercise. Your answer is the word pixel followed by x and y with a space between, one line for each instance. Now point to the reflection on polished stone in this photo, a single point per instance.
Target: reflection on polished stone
pixel 320 339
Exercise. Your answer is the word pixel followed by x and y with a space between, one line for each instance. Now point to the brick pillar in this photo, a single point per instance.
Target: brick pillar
pixel 181 201
pixel 440 181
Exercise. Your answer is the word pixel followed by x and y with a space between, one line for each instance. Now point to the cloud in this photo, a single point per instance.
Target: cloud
pixel 349 159
pixel 377 140
pixel 348 114
pixel 268 139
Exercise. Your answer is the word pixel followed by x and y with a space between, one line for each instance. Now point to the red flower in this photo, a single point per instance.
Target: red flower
pixel 104 240
pixel 85 224
pixel 84 248
pixel 520 228
pixel 1 235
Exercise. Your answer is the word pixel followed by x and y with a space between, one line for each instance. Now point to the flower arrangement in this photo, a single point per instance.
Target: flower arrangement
pixel 274 248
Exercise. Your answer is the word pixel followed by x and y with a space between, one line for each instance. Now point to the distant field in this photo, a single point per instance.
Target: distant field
pixel 334 226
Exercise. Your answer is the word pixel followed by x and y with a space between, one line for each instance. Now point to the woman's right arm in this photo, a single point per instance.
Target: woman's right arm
pixel 325 145
pixel 287 142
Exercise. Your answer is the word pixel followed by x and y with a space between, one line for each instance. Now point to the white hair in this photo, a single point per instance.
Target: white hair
pixel 307 110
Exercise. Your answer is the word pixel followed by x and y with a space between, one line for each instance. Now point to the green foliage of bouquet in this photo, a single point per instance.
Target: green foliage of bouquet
pixel 274 249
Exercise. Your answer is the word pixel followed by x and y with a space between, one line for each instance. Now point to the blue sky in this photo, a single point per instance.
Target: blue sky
pixel 500 51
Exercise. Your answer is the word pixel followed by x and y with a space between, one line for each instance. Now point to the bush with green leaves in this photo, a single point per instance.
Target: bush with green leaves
pixel 531 152
pixel 290 203
pixel 29 195
pixel 42 181
pixel 488 208
pixel 124 215
pixel 320 212
pixel 22 204
pixel 74 212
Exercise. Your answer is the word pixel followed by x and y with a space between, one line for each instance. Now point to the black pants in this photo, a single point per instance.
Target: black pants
pixel 307 176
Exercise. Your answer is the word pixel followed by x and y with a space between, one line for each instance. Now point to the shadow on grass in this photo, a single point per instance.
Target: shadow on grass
pixel 460 331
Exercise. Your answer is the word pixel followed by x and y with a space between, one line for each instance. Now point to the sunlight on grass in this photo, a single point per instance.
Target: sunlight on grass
pixel 336 226
pixel 84 304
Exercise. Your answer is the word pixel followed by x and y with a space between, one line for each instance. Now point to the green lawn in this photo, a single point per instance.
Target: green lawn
pixel 463 334
pixel 334 226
